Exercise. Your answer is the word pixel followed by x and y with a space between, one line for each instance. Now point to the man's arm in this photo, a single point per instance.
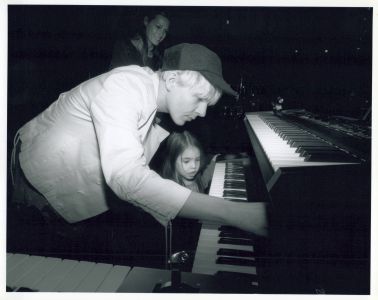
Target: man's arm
pixel 247 216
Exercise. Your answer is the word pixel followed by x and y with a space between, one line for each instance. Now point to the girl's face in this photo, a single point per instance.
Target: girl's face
pixel 188 163
pixel 156 29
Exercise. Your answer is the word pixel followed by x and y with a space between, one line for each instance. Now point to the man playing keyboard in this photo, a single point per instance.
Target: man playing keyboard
pixel 101 135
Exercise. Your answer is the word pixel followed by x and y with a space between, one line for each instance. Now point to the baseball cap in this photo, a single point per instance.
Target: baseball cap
pixel 195 57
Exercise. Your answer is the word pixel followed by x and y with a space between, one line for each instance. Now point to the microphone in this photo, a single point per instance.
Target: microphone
pixel 176 262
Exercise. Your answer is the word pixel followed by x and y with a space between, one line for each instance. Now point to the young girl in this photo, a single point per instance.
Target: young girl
pixel 185 162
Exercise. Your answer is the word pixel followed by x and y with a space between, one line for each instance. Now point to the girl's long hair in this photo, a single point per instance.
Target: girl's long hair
pixel 176 144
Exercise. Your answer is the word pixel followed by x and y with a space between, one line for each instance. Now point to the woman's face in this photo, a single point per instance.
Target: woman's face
pixel 188 163
pixel 156 29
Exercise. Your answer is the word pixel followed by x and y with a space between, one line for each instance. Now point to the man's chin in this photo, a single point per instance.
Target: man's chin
pixel 180 122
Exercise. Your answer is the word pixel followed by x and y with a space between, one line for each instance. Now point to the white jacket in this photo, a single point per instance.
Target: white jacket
pixel 99 133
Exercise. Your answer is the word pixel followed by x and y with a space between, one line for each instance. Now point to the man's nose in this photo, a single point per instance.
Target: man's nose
pixel 201 109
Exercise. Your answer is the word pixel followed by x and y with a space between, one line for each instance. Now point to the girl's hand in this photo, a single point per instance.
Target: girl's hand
pixel 230 156
pixel 215 157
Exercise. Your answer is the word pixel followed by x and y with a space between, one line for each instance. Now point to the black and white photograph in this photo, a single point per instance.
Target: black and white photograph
pixel 188 148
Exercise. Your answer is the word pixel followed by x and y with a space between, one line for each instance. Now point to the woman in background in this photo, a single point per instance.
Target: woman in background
pixel 140 45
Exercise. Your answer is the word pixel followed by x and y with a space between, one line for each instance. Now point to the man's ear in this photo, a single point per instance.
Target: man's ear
pixel 171 80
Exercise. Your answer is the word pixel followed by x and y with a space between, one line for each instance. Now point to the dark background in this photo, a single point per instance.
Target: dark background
pixel 318 58
pixel 313 57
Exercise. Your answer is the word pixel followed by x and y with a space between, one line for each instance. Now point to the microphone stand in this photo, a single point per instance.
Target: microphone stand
pixel 175 285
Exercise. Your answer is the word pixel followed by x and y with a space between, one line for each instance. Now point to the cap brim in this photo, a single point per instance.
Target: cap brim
pixel 218 82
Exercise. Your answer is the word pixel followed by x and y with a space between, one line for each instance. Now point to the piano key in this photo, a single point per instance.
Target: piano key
pixel 75 276
pixel 332 157
pixel 307 143
pixel 208 241
pixel 94 279
pixel 234 188
pixel 234 252
pixel 56 275
pixel 22 269
pixel 207 250
pixel 296 135
pixel 235 261
pixel 234 199
pixel 114 279
pixel 46 274
pixel 209 266
pixel 234 176
pixel 14 260
pixel 207 253
pixel 234 193
pixel 279 153
pixel 309 148
pixel 235 234
pixel 304 151
pixel 38 272
pixel 235 185
pixel 235 241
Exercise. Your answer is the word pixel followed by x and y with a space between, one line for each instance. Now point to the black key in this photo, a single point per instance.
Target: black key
pixel 236 181
pixel 234 193
pixel 308 153
pixel 228 187
pixel 235 234
pixel 339 157
pixel 234 184
pixel 286 135
pixel 234 199
pixel 235 231
pixel 231 241
pixel 299 138
pixel 234 252
pixel 235 166
pixel 307 143
pixel 234 187
pixel 234 176
pixel 237 173
pixel 235 261
pixel 309 148
pixel 322 151
pixel 230 228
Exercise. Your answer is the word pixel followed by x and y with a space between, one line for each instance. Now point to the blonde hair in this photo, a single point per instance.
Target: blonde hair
pixel 198 83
